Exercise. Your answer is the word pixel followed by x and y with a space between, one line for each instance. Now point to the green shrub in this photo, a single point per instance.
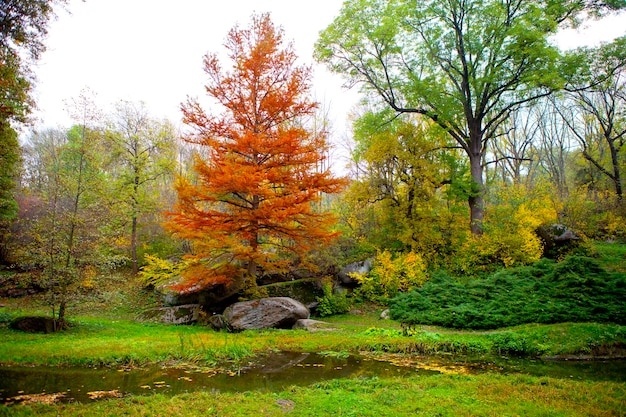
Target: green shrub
pixel 577 290
pixel 5 317
pixel 508 343
pixel 332 303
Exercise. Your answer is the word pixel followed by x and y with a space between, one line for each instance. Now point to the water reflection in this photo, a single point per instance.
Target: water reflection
pixel 275 373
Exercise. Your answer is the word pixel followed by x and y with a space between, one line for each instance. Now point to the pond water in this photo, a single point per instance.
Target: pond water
pixel 277 372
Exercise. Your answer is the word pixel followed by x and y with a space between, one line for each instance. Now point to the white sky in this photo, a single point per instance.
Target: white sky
pixel 152 50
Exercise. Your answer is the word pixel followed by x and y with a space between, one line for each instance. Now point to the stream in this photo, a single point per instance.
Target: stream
pixel 275 373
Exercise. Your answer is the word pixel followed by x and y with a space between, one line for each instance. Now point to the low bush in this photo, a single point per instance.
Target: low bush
pixel 332 303
pixel 577 289
pixel 390 275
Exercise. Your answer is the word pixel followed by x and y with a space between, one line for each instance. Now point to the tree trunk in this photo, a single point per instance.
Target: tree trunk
pixel 477 190
pixel 133 233
pixel 59 323
pixel 133 245
pixel 250 285
pixel 617 178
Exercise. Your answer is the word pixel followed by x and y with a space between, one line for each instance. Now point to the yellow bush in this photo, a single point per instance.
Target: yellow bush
pixel 509 237
pixel 390 275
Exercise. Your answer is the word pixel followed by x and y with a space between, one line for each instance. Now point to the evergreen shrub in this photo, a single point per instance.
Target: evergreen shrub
pixel 577 289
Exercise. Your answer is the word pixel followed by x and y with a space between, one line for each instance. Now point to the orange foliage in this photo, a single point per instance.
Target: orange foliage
pixel 251 203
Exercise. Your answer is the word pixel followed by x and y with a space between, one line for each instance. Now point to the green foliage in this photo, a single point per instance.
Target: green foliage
pixel 9 163
pixel 509 343
pixel 577 289
pixel 5 317
pixel 391 275
pixel 143 151
pixel 332 303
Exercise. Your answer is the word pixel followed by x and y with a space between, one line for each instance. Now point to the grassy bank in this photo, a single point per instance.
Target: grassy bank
pixel 93 341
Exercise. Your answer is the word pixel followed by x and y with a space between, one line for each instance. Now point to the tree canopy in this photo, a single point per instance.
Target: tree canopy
pixel 259 172
pixel 466 65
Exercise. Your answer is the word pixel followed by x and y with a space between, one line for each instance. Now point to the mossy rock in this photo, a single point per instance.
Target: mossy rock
pixel 306 290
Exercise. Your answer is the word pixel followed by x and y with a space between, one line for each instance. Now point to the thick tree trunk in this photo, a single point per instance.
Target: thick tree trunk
pixel 617 178
pixel 475 199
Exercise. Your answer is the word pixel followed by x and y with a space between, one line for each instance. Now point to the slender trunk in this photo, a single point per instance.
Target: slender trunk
pixel 79 191
pixel 59 323
pixel 133 245
pixel 133 234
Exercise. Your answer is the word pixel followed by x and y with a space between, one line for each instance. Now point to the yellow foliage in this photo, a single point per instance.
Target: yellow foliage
pixel 509 237
pixel 159 271
pixel 89 273
pixel 390 276
pixel 615 227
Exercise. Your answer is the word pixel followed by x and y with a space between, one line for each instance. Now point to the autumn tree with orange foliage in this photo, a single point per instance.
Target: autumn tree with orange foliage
pixel 250 209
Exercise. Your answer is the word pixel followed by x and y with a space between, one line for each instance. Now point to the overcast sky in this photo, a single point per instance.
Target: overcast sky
pixel 152 50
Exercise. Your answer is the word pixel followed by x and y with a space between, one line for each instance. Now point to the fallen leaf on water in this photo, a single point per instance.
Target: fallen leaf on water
pixel 185 378
pixel 95 395
pixel 42 398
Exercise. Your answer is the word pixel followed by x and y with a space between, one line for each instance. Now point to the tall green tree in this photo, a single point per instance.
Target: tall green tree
pixel 144 149
pixel 65 182
pixel 23 27
pixel 63 211
pixel 410 176
pixel 464 64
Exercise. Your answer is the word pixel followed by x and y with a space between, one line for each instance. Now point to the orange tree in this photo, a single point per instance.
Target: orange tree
pixel 250 208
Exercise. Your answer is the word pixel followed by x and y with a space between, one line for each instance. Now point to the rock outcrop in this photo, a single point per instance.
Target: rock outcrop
pixel 361 267
pixel 312 325
pixel 558 240
pixel 184 314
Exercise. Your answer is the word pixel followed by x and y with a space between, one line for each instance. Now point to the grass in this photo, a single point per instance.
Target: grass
pixel 93 341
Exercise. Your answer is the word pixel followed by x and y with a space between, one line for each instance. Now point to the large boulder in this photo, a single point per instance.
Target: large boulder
pixel 213 299
pixel 185 314
pixel 558 240
pixel 273 312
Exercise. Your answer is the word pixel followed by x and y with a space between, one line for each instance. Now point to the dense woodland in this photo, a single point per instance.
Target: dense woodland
pixel 475 131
